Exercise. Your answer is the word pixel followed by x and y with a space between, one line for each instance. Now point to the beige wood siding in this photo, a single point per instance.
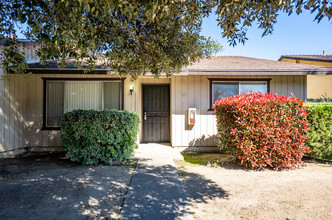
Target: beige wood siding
pixel 13 94
pixel 12 108
pixel 38 139
pixel 194 92
pixel 50 139
pixel 21 108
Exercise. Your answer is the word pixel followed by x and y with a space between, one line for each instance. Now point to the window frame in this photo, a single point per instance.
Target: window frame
pixel 47 79
pixel 236 80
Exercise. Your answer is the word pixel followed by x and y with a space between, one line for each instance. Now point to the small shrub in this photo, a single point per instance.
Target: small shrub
pixel 262 129
pixel 92 137
pixel 320 134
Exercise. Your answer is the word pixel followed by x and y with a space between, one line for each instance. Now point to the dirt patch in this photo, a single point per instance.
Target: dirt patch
pixel 303 193
pixel 49 186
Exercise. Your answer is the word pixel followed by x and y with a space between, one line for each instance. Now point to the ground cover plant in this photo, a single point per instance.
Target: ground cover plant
pixel 263 129
pixel 320 134
pixel 92 137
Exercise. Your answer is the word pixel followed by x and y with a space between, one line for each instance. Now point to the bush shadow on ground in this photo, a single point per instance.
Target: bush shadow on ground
pixel 200 189
pixel 158 192
pixel 52 187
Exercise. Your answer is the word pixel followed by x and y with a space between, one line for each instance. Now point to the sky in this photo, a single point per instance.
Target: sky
pixel 292 35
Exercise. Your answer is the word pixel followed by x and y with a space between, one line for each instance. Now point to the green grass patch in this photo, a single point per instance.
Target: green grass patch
pixel 314 104
pixel 208 158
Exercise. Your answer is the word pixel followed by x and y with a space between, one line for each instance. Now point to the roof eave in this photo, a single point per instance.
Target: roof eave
pixel 305 58
pixel 257 71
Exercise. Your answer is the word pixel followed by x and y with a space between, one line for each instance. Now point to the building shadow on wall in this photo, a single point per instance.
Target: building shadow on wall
pixel 11 119
pixel 206 143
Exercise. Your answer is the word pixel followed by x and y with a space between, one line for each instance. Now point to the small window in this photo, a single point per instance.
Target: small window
pixel 222 88
pixel 63 96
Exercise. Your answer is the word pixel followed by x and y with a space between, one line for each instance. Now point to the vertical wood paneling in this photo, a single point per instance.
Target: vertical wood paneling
pixel 34 100
pixel 177 114
pixel 205 127
pixel 50 137
pixel 305 85
pixel 7 117
pixel 41 136
pixel 16 98
pixel 203 107
pixel 27 112
pixel 297 88
pixel 184 104
pixel 197 98
pixel 131 101
pixel 11 113
pixel 21 102
pixel 301 83
pixel 173 99
pixel 20 115
pixel 290 85
pixel 186 91
pixel 191 104
pixel 284 85
pixel 2 113
pixel 31 108
pixel 279 85
pixel 272 84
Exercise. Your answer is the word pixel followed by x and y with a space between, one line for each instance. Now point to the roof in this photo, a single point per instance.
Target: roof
pixel 242 64
pixel 22 41
pixel 217 65
pixel 248 63
pixel 322 58
pixel 70 64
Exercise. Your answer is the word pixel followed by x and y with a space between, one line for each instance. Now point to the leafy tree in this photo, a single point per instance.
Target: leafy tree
pixel 134 37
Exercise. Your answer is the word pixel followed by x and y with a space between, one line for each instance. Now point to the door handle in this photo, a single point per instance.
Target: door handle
pixel 144 115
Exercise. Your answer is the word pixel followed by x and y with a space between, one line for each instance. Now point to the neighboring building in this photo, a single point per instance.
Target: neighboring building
pixel 319 60
pixel 30 109
pixel 315 92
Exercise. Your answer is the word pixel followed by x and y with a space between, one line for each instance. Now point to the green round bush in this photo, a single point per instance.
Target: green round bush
pixel 320 133
pixel 92 137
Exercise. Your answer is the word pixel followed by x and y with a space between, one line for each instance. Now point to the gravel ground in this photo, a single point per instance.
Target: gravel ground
pixel 232 192
pixel 49 186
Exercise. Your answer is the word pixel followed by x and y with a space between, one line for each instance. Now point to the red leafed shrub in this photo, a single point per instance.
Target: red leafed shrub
pixel 263 129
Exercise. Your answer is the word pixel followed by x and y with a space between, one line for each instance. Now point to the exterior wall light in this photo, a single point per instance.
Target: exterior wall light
pixel 131 89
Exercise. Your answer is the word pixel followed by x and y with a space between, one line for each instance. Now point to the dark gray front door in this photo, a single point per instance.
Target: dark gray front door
pixel 156 114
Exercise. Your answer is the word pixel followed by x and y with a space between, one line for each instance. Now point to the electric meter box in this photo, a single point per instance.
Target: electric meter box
pixel 191 116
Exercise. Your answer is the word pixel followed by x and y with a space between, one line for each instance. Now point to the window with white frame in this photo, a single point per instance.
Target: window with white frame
pixel 63 96
pixel 220 89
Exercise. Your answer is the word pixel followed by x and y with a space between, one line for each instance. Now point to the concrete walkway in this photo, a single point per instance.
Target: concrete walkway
pixel 155 191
